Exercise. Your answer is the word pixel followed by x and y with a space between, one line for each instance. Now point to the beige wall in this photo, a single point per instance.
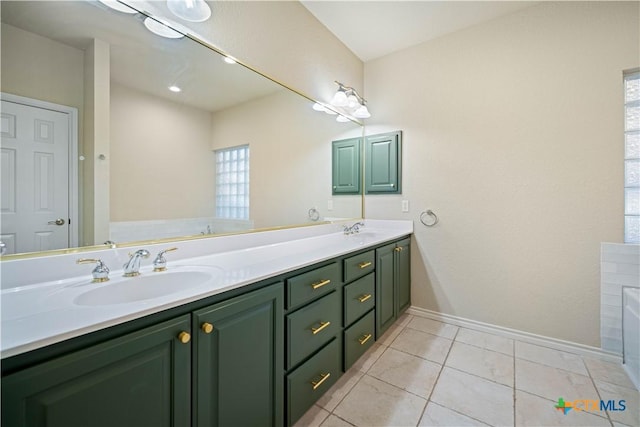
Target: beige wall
pixel 285 41
pixel 290 147
pixel 161 162
pixel 51 71
pixel 513 135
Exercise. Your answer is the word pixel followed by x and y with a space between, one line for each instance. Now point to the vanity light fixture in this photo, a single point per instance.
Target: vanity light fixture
pixel 175 89
pixel 157 26
pixel 349 100
pixel 342 119
pixel 190 10
pixel 229 60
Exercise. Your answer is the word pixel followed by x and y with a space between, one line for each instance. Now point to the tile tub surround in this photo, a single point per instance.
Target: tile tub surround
pixel 37 307
pixel 619 266
pixel 392 386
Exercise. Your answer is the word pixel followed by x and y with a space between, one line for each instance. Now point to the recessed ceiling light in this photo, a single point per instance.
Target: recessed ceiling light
pixel 116 5
pixel 229 60
pixel 157 26
pixel 175 89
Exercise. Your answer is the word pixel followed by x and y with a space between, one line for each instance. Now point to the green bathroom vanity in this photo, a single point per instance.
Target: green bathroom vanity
pixel 257 355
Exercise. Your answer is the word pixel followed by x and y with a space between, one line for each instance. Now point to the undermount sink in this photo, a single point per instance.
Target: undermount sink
pixel 144 287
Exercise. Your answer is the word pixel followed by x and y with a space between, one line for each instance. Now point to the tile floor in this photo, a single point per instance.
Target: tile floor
pixel 427 373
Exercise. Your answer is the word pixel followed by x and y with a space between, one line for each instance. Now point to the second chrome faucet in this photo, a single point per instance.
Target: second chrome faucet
pixel 132 267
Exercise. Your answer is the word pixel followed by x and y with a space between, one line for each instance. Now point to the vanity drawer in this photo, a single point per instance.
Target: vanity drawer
pixel 306 384
pixel 359 265
pixel 358 339
pixel 359 297
pixel 312 326
pixel 312 284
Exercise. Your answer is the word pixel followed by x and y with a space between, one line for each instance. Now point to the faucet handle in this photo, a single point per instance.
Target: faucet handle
pixel 100 273
pixel 160 263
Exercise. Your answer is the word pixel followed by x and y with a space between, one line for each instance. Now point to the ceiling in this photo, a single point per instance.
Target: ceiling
pixel 372 29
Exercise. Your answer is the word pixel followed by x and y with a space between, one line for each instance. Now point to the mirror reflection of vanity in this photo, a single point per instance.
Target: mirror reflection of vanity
pixel 144 167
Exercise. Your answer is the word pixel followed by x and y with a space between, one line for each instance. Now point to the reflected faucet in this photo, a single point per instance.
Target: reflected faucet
pixel 355 228
pixel 132 267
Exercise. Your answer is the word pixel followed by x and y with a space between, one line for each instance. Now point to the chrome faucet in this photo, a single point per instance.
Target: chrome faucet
pixel 132 267
pixel 355 228
pixel 100 273
pixel 160 263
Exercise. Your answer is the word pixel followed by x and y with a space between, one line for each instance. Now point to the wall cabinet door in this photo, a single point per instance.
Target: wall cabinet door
pixel 393 283
pixel 383 168
pixel 239 361
pixel 141 379
pixel 346 166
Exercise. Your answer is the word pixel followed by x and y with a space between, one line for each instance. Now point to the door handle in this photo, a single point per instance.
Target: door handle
pixel 58 221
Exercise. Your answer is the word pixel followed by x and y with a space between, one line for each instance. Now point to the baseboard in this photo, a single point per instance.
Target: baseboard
pixel 568 346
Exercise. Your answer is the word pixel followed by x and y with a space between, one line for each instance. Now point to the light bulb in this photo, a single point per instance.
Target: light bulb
pixel 341 119
pixel 339 99
pixel 190 10
pixel 352 101
pixel 318 107
pixel 158 27
pixel 362 112
pixel 175 89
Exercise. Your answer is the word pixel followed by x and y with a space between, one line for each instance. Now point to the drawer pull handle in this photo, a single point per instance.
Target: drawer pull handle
pixel 364 264
pixel 184 337
pixel 207 328
pixel 322 326
pixel 364 339
pixel 323 378
pixel 363 298
pixel 320 284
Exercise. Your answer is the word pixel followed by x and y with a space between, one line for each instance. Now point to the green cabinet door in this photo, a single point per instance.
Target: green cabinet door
pixel 345 160
pixel 140 379
pixel 238 373
pixel 403 275
pixel 393 283
pixel 383 168
pixel 385 288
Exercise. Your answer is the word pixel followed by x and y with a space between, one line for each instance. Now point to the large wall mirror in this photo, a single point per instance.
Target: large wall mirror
pixel 90 125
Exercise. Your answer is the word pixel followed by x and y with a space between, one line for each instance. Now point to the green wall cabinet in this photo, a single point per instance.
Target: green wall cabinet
pixel 346 175
pixel 141 379
pixel 238 365
pixel 383 168
pixel 393 283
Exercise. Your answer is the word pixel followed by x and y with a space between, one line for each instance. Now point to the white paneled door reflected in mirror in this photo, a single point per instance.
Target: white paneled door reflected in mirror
pixel 114 130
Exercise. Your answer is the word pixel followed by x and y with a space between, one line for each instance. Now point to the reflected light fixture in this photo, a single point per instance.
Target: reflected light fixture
pixel 190 10
pixel 157 26
pixel 116 5
pixel 350 101
pixel 229 60
pixel 175 89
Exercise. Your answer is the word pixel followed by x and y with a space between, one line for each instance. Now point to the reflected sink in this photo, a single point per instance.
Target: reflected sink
pixel 148 286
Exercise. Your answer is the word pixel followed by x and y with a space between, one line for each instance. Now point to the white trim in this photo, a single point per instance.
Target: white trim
pixel 557 344
pixel 72 112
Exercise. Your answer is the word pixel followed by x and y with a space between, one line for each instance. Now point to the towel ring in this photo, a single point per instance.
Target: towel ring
pixel 314 215
pixel 430 213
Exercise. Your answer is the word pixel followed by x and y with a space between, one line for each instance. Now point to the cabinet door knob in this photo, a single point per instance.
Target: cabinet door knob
pixel 184 337
pixel 398 249
pixel 323 378
pixel 207 328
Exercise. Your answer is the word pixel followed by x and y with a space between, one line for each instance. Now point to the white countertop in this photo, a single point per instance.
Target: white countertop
pixel 39 313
